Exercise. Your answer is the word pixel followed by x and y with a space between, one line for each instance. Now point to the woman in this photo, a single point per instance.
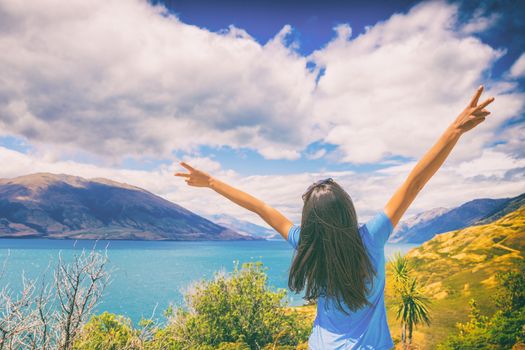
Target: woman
pixel 340 264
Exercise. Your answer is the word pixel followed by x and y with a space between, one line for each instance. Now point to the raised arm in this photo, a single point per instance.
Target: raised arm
pixel 269 214
pixel 470 117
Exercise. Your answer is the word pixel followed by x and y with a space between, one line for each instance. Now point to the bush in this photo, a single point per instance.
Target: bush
pixel 230 312
pixel 105 332
pixel 238 309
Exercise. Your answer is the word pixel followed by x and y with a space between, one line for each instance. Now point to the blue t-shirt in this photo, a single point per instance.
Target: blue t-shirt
pixel 367 327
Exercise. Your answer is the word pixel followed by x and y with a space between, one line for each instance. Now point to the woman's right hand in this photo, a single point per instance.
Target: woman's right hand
pixel 473 114
pixel 196 177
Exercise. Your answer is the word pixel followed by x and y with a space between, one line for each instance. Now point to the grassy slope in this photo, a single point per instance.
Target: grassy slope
pixel 454 267
pixel 458 265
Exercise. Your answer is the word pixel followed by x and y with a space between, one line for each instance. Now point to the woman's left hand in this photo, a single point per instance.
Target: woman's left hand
pixel 473 114
pixel 196 177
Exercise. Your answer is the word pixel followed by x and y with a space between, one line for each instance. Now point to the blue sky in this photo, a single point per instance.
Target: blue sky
pixel 268 96
pixel 313 21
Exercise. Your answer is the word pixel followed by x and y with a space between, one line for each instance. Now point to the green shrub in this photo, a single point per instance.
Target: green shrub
pixel 505 328
pixel 105 332
pixel 237 308
pixel 233 346
pixel 231 312
pixel 164 339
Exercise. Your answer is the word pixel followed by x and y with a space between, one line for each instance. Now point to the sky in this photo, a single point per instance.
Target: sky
pixel 266 96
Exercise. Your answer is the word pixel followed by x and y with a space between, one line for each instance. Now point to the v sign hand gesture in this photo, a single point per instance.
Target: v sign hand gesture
pixel 196 177
pixel 473 114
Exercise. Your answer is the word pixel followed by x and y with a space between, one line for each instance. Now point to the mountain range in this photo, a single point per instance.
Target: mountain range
pixel 423 226
pixel 45 205
pixel 64 206
pixel 244 227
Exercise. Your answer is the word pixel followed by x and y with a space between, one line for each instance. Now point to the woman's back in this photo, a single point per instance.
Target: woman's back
pixel 338 257
pixel 367 327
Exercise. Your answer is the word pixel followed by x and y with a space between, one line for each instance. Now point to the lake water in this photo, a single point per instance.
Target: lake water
pixel 149 274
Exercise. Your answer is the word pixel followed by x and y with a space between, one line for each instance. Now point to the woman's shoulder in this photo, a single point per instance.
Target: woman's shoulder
pixel 377 229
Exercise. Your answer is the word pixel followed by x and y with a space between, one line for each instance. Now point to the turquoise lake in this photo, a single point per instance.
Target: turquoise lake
pixel 149 275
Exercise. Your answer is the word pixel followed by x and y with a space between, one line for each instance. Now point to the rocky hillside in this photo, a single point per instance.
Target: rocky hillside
pixel 426 225
pixel 62 206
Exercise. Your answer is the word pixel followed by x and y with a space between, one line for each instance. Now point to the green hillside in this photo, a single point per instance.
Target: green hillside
pixel 459 265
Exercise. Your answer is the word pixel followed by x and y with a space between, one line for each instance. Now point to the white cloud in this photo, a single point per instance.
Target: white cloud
pixel 490 164
pixel 317 154
pixel 511 141
pixel 493 175
pixel 81 79
pixel 479 22
pixel 144 83
pixel 518 68
pixel 394 89
pixel 343 31
pixel 204 163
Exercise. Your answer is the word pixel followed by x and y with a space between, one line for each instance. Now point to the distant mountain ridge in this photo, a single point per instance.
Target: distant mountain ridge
pixel 426 225
pixel 49 205
pixel 242 226
pixel 512 205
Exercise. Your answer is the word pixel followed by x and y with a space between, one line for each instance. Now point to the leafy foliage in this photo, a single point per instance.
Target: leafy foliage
pixel 237 309
pixel 231 312
pixel 412 305
pixel 505 328
pixel 105 331
pixel 400 268
pixel 512 294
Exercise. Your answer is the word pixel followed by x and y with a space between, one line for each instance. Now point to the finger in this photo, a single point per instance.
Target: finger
pixel 482 113
pixel 476 96
pixel 480 120
pixel 186 165
pixel 182 174
pixel 484 104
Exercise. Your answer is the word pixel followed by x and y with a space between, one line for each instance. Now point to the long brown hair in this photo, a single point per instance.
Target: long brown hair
pixel 331 258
